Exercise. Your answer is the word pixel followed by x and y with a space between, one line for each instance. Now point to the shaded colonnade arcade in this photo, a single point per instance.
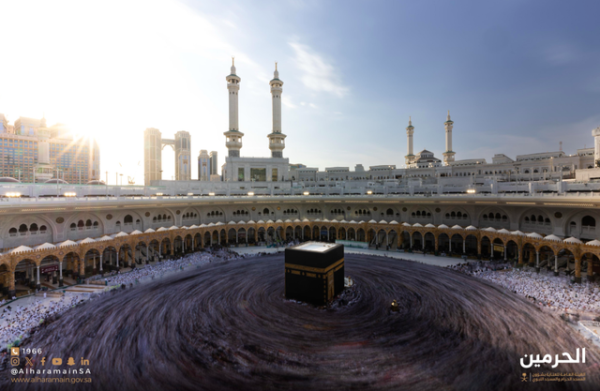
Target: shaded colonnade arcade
pixel 95 255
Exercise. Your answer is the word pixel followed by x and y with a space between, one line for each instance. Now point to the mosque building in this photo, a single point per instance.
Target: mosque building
pixel 539 208
pixel 237 168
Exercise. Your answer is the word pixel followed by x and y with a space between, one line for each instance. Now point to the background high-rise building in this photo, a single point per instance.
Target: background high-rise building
pixel 152 155
pixel 153 145
pixel 214 163
pixel 204 166
pixel 76 160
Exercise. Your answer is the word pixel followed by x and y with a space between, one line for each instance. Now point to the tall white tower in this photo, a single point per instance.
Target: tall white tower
pixel 276 138
pixel 234 136
pixel 43 169
pixel 449 154
pixel 410 130
pixel 596 135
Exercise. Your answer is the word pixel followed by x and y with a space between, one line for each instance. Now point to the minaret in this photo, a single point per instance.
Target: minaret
pixel 410 130
pixel 234 136
pixel 596 135
pixel 276 138
pixel 449 154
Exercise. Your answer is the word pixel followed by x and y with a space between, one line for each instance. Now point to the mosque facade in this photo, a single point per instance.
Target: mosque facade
pixel 538 208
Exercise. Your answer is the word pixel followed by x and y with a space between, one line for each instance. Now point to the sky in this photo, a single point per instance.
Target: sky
pixel 518 76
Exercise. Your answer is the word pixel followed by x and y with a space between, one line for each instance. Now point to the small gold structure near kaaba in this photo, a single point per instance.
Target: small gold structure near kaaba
pixel 394 306
pixel 314 272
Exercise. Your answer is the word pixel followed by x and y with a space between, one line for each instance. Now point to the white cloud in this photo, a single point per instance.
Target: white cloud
pixel 318 74
pixel 287 101
pixel 314 106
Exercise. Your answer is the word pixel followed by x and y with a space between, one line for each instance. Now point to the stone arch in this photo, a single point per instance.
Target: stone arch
pixel 577 229
pixel 307 232
pixel 231 236
pixel 430 241
pixel 152 250
pixel 242 236
pixel 493 216
pixel 193 219
pixel 485 245
pixel 546 254
pixel 167 217
pixel 91 259
pixel 251 235
pixel 591 265
pixel 512 249
pixel 566 260
pixel 472 243
pixel 188 241
pixel 361 235
pixel 25 275
pixel 261 234
pixel 455 215
pixel 17 220
pixel 351 232
pixel 529 221
pixel 289 233
pixel 417 240
pixel 129 226
pixel 297 232
pixel 166 247
pixel 420 213
pixel 124 255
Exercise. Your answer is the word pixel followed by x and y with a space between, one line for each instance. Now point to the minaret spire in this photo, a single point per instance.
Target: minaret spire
pixel 276 138
pixel 449 154
pixel 234 136
pixel 233 65
pixel 410 130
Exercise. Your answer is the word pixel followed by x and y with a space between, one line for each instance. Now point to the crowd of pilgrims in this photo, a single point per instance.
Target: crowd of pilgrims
pixel 544 289
pixel 18 321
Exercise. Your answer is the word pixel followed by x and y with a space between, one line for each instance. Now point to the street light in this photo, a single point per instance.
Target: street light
pixel 369 192
pixel 70 194
pixel 306 193
pixel 471 191
pixel 211 194
pixel 250 193
pixel 13 195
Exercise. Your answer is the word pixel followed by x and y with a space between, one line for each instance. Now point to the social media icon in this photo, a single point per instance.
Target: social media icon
pixel 14 351
pixel 43 360
pixel 14 361
pixel 29 362
pixel 71 361
pixel 57 361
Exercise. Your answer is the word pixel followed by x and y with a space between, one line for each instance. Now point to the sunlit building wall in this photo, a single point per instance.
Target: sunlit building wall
pixel 77 160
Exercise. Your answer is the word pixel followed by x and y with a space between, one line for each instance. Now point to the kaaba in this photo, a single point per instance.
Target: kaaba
pixel 314 272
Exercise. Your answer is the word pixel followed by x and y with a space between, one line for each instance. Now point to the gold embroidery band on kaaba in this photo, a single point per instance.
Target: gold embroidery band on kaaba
pixel 339 263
